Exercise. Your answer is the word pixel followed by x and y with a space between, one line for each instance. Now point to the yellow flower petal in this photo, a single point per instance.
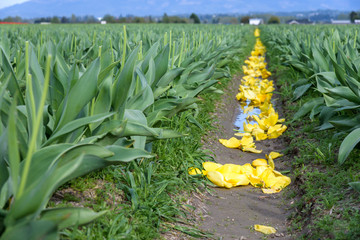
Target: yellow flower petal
pixel 260 136
pixel 194 171
pixel 269 178
pixel 264 229
pixel 228 185
pixel 248 109
pixel 249 127
pixel 251 149
pixel 281 183
pixel 271 120
pixel 229 168
pixel 216 178
pixel 236 179
pixel 247 169
pixel 271 163
pixel 211 166
pixel 242 134
pixel 231 143
pixel 260 122
pixel 259 162
pixel 247 141
pixel 259 170
pixel 274 155
pixel 281 120
pixel 255 181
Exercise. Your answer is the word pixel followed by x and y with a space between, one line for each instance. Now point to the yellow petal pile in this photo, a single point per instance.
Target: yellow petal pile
pixel 256 91
pixel 261 173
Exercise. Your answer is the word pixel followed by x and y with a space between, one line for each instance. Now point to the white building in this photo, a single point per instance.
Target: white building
pixel 256 21
pixel 340 21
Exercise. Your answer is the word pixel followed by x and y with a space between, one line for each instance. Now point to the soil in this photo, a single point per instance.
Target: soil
pixel 232 213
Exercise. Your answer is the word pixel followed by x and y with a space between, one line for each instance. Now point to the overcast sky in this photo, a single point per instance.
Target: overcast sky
pixel 238 6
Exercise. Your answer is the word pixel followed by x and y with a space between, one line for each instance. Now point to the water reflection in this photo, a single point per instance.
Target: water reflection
pixel 241 117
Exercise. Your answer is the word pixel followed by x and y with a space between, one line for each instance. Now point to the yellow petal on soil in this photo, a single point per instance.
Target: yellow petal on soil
pixel 281 120
pixel 211 166
pixel 251 149
pixel 231 143
pixel 259 162
pixel 242 134
pixel 247 169
pixel 255 181
pixel 271 163
pixel 274 135
pixel 271 120
pixel 259 170
pixel 194 171
pixel 236 179
pixel 274 128
pixel 260 122
pixel 283 128
pixel 239 96
pixel 216 178
pixel 269 178
pixel 260 136
pixel 274 155
pixel 249 127
pixel 282 182
pixel 228 185
pixel 277 173
pixel 247 141
pixel 229 168
pixel 257 129
pixel 264 229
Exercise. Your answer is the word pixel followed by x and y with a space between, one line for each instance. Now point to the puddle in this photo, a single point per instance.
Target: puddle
pixel 241 117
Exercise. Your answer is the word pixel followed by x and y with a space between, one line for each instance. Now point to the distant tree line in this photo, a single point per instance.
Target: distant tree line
pixel 108 18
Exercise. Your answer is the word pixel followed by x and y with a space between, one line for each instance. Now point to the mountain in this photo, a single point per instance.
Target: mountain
pixel 98 8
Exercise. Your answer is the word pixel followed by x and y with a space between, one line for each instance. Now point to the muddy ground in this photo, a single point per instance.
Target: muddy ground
pixel 232 213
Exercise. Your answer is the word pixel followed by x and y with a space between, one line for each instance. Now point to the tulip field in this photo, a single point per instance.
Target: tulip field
pixel 118 112
pixel 318 74
pixel 328 64
pixel 76 99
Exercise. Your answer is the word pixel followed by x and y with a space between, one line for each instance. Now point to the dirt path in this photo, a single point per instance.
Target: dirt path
pixel 231 213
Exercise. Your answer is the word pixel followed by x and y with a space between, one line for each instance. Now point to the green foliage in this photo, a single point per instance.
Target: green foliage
pixel 326 63
pixel 245 20
pixel 85 98
pixel 195 18
pixel 274 20
pixel 323 204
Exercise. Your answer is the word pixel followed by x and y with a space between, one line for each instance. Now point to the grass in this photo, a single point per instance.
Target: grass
pixel 147 199
pixel 324 206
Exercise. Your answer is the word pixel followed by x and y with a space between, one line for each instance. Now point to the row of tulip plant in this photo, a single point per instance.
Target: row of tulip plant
pixel 75 99
pixel 326 60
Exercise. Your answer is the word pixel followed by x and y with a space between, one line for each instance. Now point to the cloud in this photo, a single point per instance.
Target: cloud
pixel 165 4
pixel 187 2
